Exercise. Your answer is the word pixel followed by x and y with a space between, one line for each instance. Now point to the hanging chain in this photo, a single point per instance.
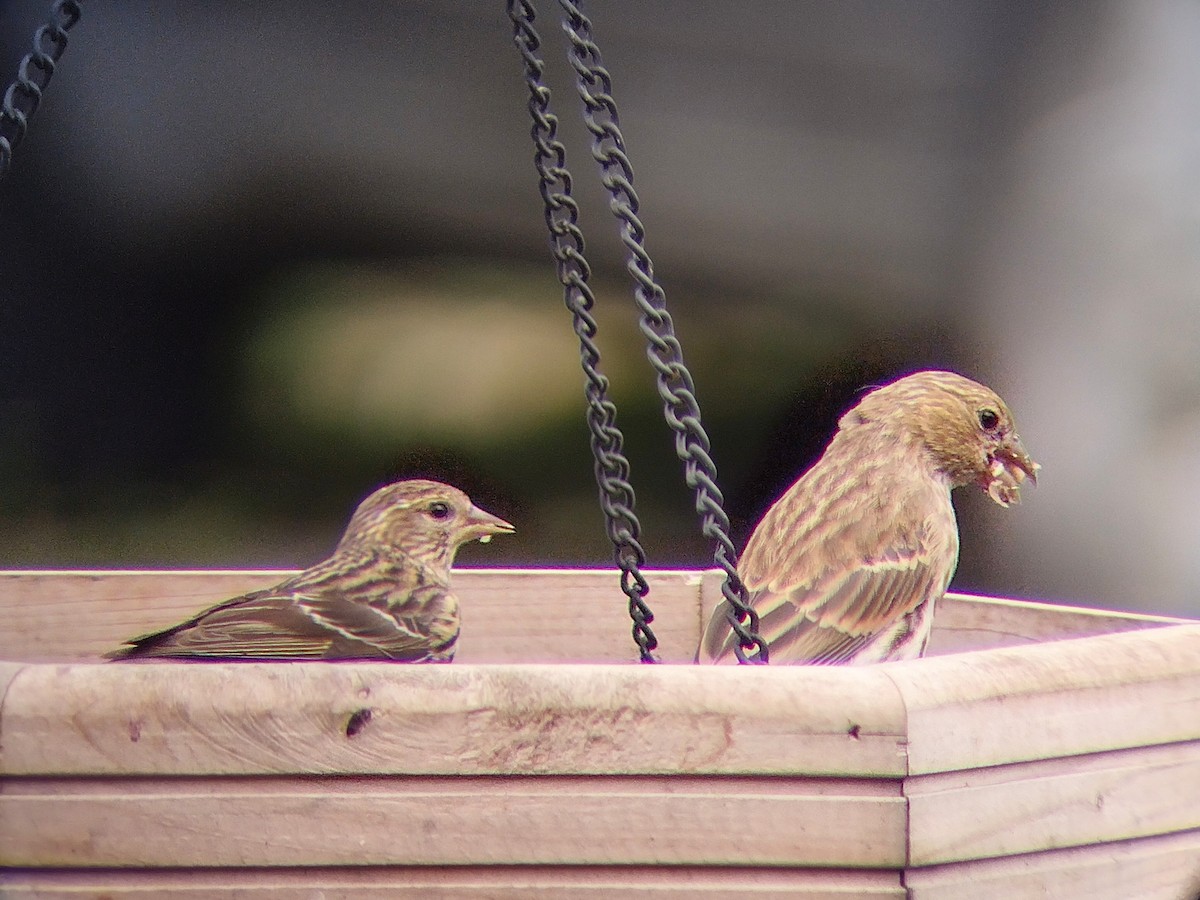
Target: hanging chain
pixel 562 216
pixel 33 75
pixel 675 387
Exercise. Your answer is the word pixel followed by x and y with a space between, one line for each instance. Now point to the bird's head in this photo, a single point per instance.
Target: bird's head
pixel 964 427
pixel 426 520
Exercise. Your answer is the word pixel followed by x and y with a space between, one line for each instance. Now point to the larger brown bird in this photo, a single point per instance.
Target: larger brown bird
pixel 383 594
pixel 847 566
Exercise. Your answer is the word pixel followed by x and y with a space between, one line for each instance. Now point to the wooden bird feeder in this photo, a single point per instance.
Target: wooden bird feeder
pixel 543 764
pixel 1047 752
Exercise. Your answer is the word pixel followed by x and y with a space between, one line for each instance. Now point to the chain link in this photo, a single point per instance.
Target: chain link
pixel 562 216
pixel 675 387
pixel 33 75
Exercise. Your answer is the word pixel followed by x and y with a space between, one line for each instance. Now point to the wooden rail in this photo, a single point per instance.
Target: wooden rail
pixel 545 765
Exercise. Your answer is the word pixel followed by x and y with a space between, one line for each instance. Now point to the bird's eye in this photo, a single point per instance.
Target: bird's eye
pixel 989 419
pixel 439 510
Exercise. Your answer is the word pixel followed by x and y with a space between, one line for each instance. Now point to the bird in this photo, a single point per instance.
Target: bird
pixel 384 593
pixel 847 566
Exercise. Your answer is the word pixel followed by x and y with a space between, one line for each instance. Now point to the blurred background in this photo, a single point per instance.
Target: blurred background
pixel 257 259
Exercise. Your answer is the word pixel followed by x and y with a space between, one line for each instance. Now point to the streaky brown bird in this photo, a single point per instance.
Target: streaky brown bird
pixel 384 594
pixel 848 565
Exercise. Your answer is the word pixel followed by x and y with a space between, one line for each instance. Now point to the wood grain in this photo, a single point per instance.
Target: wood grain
pixel 258 718
pixel 1163 868
pixel 966 622
pixel 1046 805
pixel 490 882
pixel 969 622
pixel 452 821
pixel 1028 769
pixel 993 707
pixel 8 672
pixel 509 615
pixel 958 712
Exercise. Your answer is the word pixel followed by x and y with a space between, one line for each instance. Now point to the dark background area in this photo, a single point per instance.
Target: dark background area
pixel 256 259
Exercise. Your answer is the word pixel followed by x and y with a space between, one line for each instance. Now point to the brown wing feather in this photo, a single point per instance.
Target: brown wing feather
pixel 828 621
pixel 837 560
pixel 258 627
pixel 831 622
pixel 423 626
pixel 355 605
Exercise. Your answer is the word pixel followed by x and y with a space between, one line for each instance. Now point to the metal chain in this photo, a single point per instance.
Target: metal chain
pixel 562 217
pixel 675 387
pixel 33 75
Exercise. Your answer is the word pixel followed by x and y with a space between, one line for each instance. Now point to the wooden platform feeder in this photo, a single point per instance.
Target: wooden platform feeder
pixel 544 764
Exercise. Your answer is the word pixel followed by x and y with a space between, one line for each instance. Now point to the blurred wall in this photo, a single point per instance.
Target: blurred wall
pixel 256 259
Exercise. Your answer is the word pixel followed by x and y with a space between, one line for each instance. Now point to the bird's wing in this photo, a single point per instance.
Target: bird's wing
pixel 420 625
pixel 344 608
pixel 827 619
pixel 262 625
pixel 827 622
pixel 832 564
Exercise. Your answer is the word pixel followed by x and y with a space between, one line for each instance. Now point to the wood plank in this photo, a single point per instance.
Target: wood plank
pixel 966 622
pixel 452 821
pixel 256 718
pixel 509 615
pixel 572 615
pixel 80 614
pixel 491 882
pixel 993 707
pixel 1045 805
pixel 8 672
pixel 1162 868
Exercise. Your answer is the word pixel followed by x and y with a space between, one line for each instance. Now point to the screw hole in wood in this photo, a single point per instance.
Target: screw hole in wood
pixel 357 722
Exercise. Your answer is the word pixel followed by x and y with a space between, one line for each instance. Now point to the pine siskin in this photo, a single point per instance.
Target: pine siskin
pixel 383 594
pixel 847 565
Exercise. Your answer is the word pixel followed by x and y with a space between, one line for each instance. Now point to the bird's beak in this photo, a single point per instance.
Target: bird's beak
pixel 1008 468
pixel 483 525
